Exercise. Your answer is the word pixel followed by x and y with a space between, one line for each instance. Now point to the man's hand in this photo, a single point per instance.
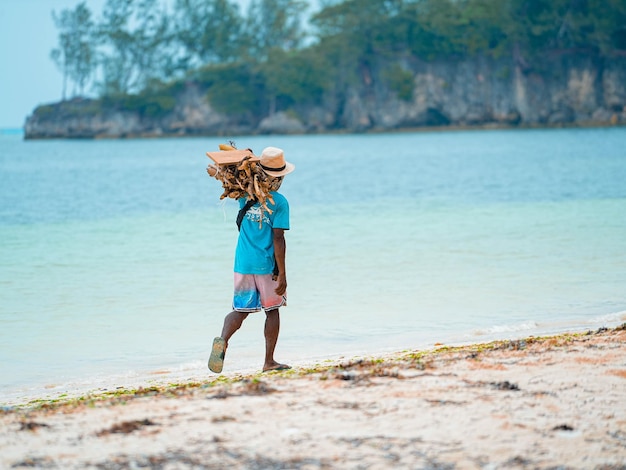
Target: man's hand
pixel 282 284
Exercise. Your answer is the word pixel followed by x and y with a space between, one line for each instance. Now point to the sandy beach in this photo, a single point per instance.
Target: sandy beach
pixel 553 402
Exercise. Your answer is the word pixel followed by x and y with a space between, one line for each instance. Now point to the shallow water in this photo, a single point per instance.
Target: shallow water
pixel 116 256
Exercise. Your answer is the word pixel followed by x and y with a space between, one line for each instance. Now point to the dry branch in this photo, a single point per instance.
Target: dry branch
pixel 241 175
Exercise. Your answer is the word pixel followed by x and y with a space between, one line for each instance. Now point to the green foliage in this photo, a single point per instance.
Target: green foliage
pixel 147 104
pixel 75 56
pixel 431 29
pixel 233 88
pixel 274 24
pixel 77 107
pixel 257 61
pixel 44 111
pixel 362 28
pixel 136 38
pixel 294 77
pixel 156 105
pixel 210 31
pixel 400 81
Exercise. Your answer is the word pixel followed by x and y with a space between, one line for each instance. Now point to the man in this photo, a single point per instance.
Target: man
pixel 260 275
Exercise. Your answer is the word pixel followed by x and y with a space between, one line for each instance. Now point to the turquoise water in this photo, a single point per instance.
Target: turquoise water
pixel 116 256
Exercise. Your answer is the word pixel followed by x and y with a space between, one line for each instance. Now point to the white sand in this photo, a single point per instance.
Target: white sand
pixel 556 402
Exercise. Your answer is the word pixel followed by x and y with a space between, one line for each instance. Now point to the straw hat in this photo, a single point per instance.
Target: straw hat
pixel 273 162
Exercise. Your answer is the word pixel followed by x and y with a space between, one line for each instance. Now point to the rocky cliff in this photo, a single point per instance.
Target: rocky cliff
pixel 565 90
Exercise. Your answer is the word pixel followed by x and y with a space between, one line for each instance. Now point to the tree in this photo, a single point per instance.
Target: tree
pixel 596 24
pixel 274 24
pixel 260 61
pixel 294 77
pixel 355 34
pixel 149 44
pixel 210 31
pixel 116 38
pixel 75 55
pixel 233 88
pixel 135 37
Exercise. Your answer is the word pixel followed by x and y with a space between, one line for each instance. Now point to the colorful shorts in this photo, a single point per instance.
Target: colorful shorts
pixel 254 292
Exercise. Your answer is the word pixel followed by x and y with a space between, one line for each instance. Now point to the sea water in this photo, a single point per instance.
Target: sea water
pixel 116 256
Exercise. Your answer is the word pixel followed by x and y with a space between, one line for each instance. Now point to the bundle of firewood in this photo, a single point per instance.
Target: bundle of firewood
pixel 241 175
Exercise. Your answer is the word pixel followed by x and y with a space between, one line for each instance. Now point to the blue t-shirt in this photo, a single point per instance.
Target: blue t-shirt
pixel 255 246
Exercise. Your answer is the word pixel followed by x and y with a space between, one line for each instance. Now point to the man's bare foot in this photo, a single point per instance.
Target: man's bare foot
pixel 275 366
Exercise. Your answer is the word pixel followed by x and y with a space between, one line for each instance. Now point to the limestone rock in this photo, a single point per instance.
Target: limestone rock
pixel 281 123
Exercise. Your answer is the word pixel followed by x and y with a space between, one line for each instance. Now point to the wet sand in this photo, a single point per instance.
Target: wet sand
pixel 555 402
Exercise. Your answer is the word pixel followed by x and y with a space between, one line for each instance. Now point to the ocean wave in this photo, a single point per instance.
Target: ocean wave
pixel 608 318
pixel 512 328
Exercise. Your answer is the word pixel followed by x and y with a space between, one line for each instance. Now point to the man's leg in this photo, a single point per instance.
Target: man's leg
pixel 232 323
pixel 272 328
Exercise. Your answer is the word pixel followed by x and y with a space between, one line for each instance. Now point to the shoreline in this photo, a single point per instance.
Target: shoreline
pixel 159 375
pixel 488 126
pixel 534 402
pixel 242 362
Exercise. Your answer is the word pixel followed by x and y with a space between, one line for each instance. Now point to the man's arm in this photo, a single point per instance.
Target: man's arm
pixel 280 249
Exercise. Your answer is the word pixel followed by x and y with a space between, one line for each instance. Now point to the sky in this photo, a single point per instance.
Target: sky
pixel 28 77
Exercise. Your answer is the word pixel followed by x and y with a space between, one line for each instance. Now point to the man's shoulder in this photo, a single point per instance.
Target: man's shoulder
pixel 278 198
